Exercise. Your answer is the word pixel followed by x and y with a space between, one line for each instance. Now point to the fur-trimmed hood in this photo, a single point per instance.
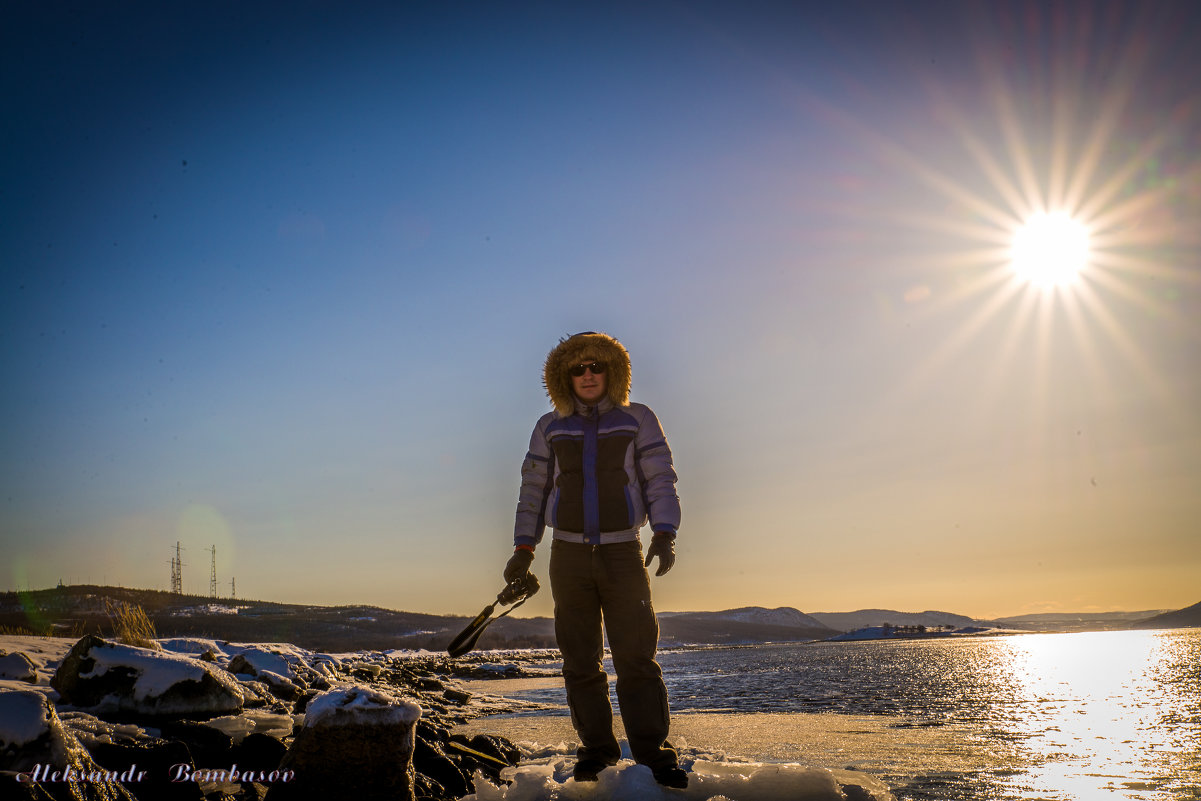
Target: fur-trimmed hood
pixel 586 347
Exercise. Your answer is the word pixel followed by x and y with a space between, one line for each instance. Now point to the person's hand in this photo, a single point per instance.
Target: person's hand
pixel 519 565
pixel 662 547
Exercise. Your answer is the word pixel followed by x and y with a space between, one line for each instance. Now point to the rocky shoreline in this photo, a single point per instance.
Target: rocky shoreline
pixel 207 720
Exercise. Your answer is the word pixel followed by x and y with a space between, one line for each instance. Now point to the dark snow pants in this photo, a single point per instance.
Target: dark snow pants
pixel 595 583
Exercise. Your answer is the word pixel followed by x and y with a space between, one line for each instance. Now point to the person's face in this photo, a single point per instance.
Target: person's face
pixel 589 386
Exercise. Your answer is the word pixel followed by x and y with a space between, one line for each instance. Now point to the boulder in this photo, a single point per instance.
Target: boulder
pixel 117 746
pixel 242 666
pixel 109 677
pixel 356 743
pixel 47 759
pixel 280 686
pixel 206 744
pixel 255 694
pixel 281 660
pixel 431 761
pixel 159 759
pixel 19 667
pixel 261 752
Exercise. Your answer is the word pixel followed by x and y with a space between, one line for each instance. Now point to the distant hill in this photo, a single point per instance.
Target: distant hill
pixel 1078 621
pixel 1181 618
pixel 863 618
pixel 748 624
pixel 78 609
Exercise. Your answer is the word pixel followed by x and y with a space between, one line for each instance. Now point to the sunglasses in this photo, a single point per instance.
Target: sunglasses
pixel 596 368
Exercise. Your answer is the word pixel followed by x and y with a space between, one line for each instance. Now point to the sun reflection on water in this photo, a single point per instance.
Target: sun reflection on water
pixel 1095 718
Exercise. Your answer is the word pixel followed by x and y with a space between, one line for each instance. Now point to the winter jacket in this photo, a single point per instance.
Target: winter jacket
pixel 595 474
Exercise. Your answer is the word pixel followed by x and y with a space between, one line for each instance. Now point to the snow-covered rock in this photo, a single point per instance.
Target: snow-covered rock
pixel 120 746
pixel 357 742
pixel 282 659
pixel 281 686
pixel 35 746
pixel 18 667
pixel 110 677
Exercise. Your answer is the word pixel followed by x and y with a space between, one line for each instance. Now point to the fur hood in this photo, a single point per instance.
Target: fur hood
pixel 586 347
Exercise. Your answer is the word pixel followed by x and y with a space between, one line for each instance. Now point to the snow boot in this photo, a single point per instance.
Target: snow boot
pixel 671 776
pixel 587 770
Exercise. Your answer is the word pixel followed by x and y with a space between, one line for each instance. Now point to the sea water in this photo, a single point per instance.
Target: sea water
pixel 1059 717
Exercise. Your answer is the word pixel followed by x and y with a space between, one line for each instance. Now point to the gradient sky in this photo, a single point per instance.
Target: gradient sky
pixel 280 278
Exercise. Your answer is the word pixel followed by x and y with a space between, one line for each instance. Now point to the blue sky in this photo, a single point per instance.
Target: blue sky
pixel 280 279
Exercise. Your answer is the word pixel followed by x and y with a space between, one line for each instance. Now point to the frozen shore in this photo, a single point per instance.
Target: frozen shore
pixel 729 757
pixel 761 757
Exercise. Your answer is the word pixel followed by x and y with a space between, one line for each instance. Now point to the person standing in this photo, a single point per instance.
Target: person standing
pixel 598 468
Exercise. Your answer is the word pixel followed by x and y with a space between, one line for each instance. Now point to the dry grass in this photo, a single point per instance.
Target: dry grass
pixel 131 625
pixel 24 631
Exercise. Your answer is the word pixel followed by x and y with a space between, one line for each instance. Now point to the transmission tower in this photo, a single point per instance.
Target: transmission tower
pixel 177 571
pixel 213 575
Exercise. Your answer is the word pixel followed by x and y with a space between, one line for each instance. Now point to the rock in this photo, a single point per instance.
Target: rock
pixel 430 760
pixel 279 660
pixel 117 746
pixel 255 693
pixel 496 747
pixel 207 745
pixel 19 667
pixel 280 686
pixel 424 787
pixel 110 677
pixel 260 752
pixel 241 666
pixel 157 757
pixel 356 743
pixel 35 744
pixel 302 703
pixel 365 673
pixel 485 753
pixel 456 696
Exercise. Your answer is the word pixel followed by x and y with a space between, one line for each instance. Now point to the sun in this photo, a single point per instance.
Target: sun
pixel 1050 249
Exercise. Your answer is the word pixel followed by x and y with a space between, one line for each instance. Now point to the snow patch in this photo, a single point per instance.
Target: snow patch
pixel 551 780
pixel 359 705
pixel 24 717
pixel 194 646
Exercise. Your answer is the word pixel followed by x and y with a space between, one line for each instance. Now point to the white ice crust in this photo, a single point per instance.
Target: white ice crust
pixel 359 705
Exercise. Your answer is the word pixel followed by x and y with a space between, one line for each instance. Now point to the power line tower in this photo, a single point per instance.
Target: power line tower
pixel 213 575
pixel 177 571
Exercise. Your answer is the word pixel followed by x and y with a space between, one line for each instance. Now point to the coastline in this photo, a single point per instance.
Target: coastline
pixel 891 749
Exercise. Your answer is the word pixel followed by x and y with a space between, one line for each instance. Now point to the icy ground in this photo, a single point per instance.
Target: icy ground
pixel 545 771
pixel 548 778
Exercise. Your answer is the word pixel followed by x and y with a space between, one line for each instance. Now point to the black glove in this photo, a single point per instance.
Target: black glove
pixel 519 565
pixel 662 547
